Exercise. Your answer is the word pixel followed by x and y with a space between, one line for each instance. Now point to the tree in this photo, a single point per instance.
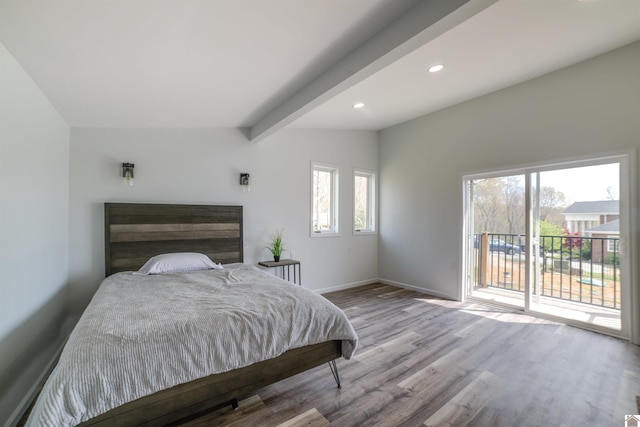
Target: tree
pixel 550 200
pixel 486 203
pixel 571 240
pixel 513 193
pixel 550 234
pixel 499 205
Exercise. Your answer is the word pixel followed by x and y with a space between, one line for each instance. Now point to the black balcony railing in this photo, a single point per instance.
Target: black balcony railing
pixel 572 268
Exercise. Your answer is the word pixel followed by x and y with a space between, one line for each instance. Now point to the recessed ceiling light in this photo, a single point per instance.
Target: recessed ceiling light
pixel 358 105
pixel 436 68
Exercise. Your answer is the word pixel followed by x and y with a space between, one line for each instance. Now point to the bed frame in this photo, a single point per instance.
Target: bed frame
pixel 136 232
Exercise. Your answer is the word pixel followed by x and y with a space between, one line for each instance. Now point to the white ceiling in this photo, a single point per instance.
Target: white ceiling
pixel 266 64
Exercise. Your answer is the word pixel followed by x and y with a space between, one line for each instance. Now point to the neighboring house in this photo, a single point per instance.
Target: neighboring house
pixel 583 216
pixel 610 235
pixel 598 219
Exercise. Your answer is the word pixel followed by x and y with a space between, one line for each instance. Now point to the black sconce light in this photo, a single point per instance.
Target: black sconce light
pixel 127 173
pixel 244 181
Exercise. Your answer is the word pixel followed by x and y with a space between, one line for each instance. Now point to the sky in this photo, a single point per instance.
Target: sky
pixel 586 183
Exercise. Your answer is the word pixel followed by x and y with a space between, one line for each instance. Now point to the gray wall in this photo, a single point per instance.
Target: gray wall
pixel 34 197
pixel 203 166
pixel 590 108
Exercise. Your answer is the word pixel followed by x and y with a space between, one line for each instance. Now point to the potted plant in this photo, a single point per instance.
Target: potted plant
pixel 276 247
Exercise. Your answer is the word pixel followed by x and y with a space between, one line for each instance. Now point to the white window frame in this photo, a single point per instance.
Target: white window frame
pixel 334 219
pixel 612 244
pixel 371 226
pixel 630 315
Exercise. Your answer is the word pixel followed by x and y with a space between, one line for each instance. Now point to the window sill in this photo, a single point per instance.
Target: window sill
pixel 325 234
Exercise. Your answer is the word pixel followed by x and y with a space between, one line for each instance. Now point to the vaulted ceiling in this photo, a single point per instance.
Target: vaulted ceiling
pixel 266 64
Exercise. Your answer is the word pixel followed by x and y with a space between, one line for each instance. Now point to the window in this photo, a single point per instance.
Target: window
pixel 364 202
pixel 324 200
pixel 612 244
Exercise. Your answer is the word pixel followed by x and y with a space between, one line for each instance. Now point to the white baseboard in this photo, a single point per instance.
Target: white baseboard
pixel 387 282
pixel 346 286
pixel 417 289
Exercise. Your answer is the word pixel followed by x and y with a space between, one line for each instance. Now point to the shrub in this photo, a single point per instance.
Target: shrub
pixel 613 259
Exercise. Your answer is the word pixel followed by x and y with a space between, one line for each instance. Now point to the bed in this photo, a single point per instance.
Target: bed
pixel 145 352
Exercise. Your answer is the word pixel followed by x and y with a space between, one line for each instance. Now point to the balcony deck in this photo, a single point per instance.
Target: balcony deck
pixel 570 287
pixel 584 313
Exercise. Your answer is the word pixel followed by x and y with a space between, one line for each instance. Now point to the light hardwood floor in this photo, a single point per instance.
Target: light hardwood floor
pixel 425 361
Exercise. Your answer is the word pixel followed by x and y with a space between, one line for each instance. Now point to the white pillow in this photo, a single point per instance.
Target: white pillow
pixel 178 263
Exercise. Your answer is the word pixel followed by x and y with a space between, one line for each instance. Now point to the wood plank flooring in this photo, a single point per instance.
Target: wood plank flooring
pixel 423 361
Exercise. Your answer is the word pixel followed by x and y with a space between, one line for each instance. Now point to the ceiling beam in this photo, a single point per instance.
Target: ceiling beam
pixel 418 26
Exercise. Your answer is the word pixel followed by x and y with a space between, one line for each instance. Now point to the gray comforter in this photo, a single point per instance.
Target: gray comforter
pixel 141 334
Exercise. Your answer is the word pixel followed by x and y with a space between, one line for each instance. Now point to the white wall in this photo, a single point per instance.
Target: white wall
pixel 34 197
pixel 202 166
pixel 590 108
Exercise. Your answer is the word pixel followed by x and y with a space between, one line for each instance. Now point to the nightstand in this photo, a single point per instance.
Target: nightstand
pixel 286 263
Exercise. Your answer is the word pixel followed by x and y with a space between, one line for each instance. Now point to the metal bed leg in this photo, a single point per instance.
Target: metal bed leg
pixel 334 371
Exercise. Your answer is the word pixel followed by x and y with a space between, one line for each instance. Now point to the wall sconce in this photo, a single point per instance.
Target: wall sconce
pixel 244 181
pixel 127 173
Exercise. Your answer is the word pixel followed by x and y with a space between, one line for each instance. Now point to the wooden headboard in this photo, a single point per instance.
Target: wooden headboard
pixel 134 232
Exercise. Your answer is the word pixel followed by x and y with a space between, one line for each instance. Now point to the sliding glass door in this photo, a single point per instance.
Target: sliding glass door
pixel 550 239
pixel 497 238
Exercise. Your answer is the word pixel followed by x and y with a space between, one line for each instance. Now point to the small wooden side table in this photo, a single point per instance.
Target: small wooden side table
pixel 288 263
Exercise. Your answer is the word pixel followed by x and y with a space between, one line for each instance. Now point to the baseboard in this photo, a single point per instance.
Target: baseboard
pixel 346 286
pixel 32 393
pixel 387 282
pixel 417 289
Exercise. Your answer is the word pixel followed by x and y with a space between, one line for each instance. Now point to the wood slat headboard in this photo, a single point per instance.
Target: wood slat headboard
pixel 134 232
